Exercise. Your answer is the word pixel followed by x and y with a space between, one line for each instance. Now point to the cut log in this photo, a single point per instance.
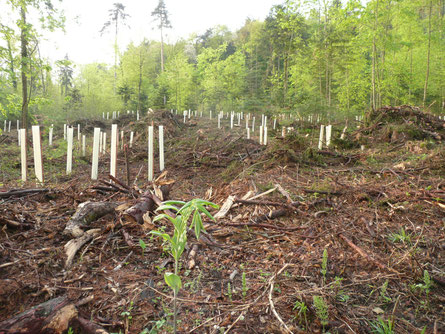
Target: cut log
pixel 87 213
pixel 72 246
pixel 52 316
pixel 137 211
pixel 82 325
pixel 144 205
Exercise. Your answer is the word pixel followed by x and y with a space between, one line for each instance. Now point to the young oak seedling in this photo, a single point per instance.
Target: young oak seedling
pixel 178 241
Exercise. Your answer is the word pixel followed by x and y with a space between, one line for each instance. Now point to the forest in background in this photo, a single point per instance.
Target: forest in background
pixel 327 57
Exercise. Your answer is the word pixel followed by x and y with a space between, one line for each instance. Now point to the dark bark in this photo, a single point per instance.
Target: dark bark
pixel 11 65
pixel 87 213
pixel 24 67
pixel 52 316
pixel 22 192
pixel 145 204
pixel 81 325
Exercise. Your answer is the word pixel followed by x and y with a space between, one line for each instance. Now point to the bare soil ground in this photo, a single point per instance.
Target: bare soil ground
pixel 378 213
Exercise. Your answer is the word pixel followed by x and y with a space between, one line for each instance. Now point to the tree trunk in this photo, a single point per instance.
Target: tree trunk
pixel 162 51
pixel 286 60
pixel 410 72
pixel 41 71
pixel 24 68
pixel 115 54
pixel 428 55
pixel 11 65
pixel 141 63
pixel 374 55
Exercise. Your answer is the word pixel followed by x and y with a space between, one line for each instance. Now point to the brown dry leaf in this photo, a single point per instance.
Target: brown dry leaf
pixel 401 166
pixel 209 193
pixel 162 176
pixel 166 182
pixel 123 207
pixel 158 193
pixel 148 224
pixel 237 218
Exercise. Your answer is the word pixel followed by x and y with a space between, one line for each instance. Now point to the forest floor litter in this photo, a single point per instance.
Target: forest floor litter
pixel 339 240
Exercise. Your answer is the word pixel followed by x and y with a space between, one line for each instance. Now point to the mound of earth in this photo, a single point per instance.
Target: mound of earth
pixel 172 123
pixel 88 125
pixel 393 124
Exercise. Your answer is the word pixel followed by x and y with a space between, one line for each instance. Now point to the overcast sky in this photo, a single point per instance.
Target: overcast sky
pixel 83 43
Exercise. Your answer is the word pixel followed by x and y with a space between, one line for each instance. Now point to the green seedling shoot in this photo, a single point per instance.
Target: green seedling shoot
pixel 178 241
pixel 229 291
pixel 324 265
pixel 244 285
pixel 321 309
pixel 143 245
pixel 301 307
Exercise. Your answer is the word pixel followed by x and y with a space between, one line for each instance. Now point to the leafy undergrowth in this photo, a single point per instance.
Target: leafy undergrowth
pixel 360 249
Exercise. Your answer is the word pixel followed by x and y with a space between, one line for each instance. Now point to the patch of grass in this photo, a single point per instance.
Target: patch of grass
pixel 381 326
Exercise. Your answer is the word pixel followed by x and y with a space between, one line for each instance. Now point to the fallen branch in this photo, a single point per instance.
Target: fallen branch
pixel 366 255
pixel 15 224
pixel 72 246
pixel 119 266
pixel 52 316
pixel 284 192
pixel 265 226
pixel 22 192
pixel 272 306
pixel 225 207
pixel 88 327
pixel 322 192
pixel 112 185
pixel 86 213
pixel 272 215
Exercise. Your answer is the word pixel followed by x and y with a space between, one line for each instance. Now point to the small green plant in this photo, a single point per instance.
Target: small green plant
pixel 402 237
pixel 301 307
pixel 127 317
pixel 193 284
pixel 324 264
pixel 321 309
pixel 143 245
pixel 245 288
pixel 384 298
pixel 427 283
pixel 157 326
pixel 340 295
pixel 229 291
pixel 381 326
pixel 178 241
pixel 425 287
pixel 70 330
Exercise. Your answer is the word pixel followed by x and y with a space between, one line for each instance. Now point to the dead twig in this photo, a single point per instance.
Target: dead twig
pixel 366 255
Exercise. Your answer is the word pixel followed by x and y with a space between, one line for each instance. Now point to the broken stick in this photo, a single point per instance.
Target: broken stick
pixel 86 213
pixel 366 255
pixel 72 246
